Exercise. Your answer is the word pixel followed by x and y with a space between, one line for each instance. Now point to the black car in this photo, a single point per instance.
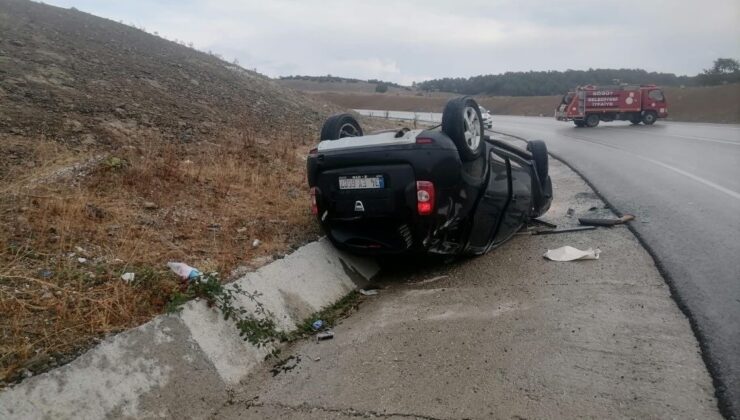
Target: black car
pixel 449 190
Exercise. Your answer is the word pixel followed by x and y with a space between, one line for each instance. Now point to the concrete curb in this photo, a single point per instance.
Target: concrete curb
pixel 163 367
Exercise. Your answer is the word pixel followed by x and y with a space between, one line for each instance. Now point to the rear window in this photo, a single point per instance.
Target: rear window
pixel 656 95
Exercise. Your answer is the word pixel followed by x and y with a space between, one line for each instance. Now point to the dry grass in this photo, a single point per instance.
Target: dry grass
pixel 60 204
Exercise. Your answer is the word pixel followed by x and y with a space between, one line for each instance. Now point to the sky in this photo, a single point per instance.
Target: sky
pixel 415 40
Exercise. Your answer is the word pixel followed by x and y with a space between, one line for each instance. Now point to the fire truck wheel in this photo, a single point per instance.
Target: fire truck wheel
pixel 579 123
pixel 592 120
pixel 649 118
pixel 635 119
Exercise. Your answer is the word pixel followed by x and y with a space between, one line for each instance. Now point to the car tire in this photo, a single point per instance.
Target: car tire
pixel 579 124
pixel 592 120
pixel 538 149
pixel 339 126
pixel 462 122
pixel 649 118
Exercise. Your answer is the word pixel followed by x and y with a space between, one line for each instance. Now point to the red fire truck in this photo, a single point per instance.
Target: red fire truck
pixel 589 104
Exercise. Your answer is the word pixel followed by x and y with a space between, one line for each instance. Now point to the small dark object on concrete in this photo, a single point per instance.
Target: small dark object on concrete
pixel 570 212
pixel 285 365
pixel 606 222
pixel 564 230
pixel 544 223
pixel 326 335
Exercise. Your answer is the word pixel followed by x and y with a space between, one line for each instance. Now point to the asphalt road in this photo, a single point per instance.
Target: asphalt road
pixel 682 182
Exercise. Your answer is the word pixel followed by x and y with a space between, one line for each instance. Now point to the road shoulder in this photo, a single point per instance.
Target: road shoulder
pixel 507 334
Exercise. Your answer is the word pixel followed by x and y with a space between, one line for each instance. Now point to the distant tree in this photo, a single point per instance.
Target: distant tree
pixel 381 88
pixel 725 65
pixel 536 83
pixel 723 71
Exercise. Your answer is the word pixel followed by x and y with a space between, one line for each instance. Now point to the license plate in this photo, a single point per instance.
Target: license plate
pixel 361 182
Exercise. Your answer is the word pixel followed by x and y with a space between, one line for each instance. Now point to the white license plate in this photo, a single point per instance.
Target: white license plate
pixel 361 182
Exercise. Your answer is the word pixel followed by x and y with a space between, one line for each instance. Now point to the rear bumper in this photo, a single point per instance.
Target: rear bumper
pixel 385 236
pixel 385 220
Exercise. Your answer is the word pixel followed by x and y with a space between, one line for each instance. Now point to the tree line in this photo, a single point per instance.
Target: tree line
pixel 542 83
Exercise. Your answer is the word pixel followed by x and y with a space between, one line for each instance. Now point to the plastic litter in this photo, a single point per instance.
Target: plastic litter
pixel 128 277
pixel 256 243
pixel 317 325
pixel 183 270
pixel 370 292
pixel 82 260
pixel 568 253
pixel 326 335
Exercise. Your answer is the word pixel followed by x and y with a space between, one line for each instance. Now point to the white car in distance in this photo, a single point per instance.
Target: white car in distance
pixel 487 118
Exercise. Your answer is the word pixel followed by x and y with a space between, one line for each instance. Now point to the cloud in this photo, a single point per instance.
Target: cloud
pixel 412 40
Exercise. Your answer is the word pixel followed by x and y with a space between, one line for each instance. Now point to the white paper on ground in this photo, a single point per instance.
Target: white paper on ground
pixel 568 253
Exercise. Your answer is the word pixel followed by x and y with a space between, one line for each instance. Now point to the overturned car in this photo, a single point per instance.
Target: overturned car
pixel 450 189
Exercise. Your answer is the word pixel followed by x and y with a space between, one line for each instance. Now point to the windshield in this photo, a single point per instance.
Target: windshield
pixel 656 95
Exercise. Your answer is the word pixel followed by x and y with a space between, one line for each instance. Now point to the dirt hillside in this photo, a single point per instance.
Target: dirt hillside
pixel 121 151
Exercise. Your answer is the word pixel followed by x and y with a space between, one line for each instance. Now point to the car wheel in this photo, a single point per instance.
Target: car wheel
pixel 462 122
pixel 538 149
pixel 592 120
pixel 649 118
pixel 339 126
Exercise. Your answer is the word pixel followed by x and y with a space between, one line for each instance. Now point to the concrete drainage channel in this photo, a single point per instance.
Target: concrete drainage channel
pixel 190 359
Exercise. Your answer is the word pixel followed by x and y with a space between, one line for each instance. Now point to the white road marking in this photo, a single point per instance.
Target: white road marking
pixel 731 193
pixel 717 187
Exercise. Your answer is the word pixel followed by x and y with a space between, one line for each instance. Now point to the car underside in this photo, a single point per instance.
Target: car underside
pixel 413 191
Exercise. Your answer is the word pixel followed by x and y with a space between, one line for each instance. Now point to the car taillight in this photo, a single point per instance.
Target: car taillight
pixel 424 140
pixel 314 206
pixel 424 197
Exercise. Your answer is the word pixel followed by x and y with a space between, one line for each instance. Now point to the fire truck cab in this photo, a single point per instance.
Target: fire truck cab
pixel 588 105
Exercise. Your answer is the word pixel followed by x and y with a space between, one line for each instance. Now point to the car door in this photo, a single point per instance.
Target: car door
pixel 491 206
pixel 520 201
